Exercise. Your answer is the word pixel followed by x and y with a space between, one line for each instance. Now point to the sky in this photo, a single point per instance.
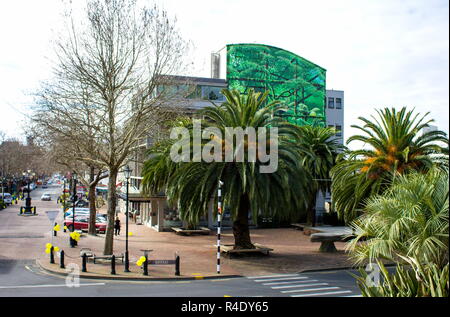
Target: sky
pixel 383 53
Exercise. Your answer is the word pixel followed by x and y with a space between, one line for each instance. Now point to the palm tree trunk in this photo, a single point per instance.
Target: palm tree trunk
pixel 241 231
pixel 311 213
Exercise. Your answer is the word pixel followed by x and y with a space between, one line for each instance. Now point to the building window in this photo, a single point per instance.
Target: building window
pixel 338 130
pixel 212 93
pixel 331 126
pixel 330 102
pixel 338 103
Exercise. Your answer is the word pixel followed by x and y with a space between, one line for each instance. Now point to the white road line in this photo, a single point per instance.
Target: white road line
pixel 312 289
pixel 293 282
pixel 304 285
pixel 354 296
pixel 282 279
pixel 39 286
pixel 321 294
pixel 270 276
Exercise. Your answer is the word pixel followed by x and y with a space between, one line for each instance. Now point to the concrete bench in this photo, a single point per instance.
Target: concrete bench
pixel 182 231
pixel 228 249
pixel 327 240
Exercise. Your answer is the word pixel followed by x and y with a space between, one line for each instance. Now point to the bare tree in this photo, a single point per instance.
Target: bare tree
pixel 106 94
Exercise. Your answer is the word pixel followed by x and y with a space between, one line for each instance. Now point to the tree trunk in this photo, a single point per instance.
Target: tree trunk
pixel 92 207
pixel 112 202
pixel 241 231
pixel 311 213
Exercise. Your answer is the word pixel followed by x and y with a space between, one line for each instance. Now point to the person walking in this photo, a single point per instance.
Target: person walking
pixel 117 226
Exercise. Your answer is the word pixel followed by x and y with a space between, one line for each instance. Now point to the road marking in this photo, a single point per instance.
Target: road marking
pixel 320 294
pixel 354 296
pixel 304 285
pixel 311 289
pixel 282 279
pixel 293 282
pixel 270 276
pixel 39 286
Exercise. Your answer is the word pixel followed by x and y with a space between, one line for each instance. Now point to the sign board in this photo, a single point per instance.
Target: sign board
pixel 161 262
pixel 52 214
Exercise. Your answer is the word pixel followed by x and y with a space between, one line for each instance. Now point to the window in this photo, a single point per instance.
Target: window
pixel 338 130
pixel 331 126
pixel 338 103
pixel 212 93
pixel 330 103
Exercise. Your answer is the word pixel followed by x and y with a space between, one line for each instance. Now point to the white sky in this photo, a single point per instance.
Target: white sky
pixel 381 53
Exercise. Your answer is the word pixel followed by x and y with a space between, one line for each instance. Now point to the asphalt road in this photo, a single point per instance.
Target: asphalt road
pixel 24 278
pixel 20 277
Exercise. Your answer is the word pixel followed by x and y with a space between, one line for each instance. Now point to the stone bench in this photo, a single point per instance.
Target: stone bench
pixel 229 250
pixel 327 240
pixel 183 231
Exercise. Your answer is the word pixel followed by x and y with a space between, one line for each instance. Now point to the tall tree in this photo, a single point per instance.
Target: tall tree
pixel 396 144
pixel 320 149
pixel 246 189
pixel 110 66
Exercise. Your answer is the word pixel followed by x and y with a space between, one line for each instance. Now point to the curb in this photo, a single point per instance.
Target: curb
pixel 141 279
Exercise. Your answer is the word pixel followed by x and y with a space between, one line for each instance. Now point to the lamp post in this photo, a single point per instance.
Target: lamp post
pixel 127 172
pixel 74 200
pixel 28 176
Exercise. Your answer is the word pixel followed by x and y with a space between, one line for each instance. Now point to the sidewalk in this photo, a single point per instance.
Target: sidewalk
pixel 293 252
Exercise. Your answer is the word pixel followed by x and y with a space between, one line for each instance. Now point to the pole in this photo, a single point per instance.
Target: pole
pixel 219 216
pixel 127 263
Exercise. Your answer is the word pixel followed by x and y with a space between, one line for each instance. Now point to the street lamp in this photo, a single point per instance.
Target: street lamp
pixel 74 200
pixel 127 172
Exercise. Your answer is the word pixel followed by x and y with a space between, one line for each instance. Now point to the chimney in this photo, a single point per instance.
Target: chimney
pixel 215 65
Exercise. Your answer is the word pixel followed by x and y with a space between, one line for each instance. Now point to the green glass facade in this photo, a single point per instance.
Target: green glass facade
pixel 289 78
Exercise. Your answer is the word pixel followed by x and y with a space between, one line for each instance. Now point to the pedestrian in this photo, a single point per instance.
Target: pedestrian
pixel 117 226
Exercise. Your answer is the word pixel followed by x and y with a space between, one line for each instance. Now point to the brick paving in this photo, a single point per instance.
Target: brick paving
pixel 25 238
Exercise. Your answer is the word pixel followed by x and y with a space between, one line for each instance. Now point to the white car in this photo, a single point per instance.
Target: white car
pixel 7 198
pixel 46 196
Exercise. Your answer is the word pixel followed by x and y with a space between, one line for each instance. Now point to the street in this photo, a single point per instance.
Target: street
pixel 21 276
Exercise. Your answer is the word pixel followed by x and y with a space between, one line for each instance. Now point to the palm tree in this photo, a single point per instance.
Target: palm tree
pixel 192 185
pixel 409 220
pixel 320 150
pixel 396 146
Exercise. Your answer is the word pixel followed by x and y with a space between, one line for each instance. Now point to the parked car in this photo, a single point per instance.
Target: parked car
pixel 82 223
pixel 46 196
pixel 7 198
pixel 78 211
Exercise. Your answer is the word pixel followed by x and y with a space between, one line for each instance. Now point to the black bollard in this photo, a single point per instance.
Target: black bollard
pixel 113 265
pixel 62 260
pixel 83 268
pixel 52 257
pixel 54 231
pixel 177 266
pixel 146 266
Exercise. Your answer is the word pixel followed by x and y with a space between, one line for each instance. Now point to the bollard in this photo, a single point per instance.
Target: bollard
pixel 62 259
pixel 34 210
pixel 83 268
pixel 177 265
pixel 113 265
pixel 146 266
pixel 52 256
pixel 54 231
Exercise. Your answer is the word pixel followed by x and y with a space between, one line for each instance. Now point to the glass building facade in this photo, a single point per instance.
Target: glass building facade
pixel 289 78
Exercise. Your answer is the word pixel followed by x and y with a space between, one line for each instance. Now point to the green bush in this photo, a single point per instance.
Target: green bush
pixel 414 280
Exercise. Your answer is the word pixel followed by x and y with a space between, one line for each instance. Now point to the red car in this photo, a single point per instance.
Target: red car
pixel 82 223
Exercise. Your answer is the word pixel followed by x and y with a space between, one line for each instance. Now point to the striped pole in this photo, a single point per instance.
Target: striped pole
pixel 219 216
